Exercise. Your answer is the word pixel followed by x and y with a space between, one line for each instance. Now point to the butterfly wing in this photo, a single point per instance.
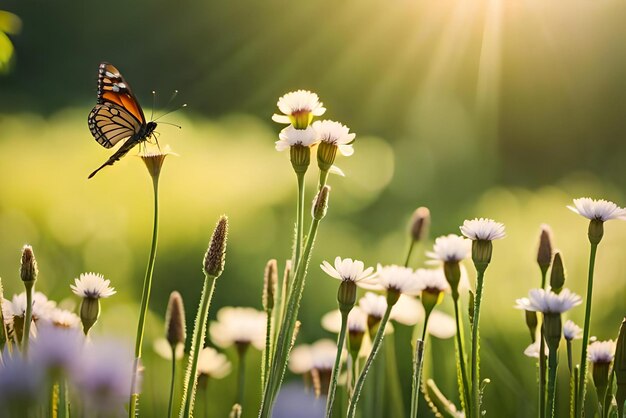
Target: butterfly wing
pixel 110 123
pixel 113 88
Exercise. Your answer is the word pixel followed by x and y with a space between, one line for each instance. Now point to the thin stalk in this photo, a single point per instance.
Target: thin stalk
pixel 583 357
pixel 417 368
pixel 379 385
pixel 475 346
pixel 241 375
pixel 375 346
pixel 572 393
pixel 173 380
pixel 285 337
pixel 394 390
pixel 552 366
pixel 54 400
pixel 409 252
pixel 28 317
pixel 145 299
pixel 323 179
pixel 576 381
pixel 542 359
pixel 197 342
pixel 608 395
pixel 299 219
pixel 335 373
pixel 267 350
pixel 64 401
pixel 460 343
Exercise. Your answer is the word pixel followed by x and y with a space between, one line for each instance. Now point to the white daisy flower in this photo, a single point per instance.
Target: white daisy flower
pixel 291 136
pixel 162 348
pixel 93 286
pixel 323 353
pixel 349 270
pixel 63 318
pixel 450 248
pixel 42 307
pixel 357 321
pixel 401 279
pixel 441 325
pixel 373 305
pixel 601 210
pixel 601 351
pixel 300 360
pixel 407 310
pixel 213 364
pixel 296 103
pixel 432 279
pixel 541 300
pixel 571 331
pixel 335 133
pixel 236 325
pixel 534 349
pixel 483 229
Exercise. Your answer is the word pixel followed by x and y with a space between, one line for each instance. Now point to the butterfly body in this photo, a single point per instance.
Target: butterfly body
pixel 117 115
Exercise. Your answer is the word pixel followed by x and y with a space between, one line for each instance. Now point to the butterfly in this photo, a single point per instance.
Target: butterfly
pixel 117 116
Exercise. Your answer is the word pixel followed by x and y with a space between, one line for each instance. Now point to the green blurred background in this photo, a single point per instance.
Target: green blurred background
pixel 503 109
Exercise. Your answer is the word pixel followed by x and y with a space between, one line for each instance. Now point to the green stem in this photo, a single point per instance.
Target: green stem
pixel 28 317
pixel 394 390
pixel 583 358
pixel 323 179
pixel 552 366
pixel 267 350
pixel 171 402
pixel 460 343
pixel 299 219
pixel 197 342
pixel 145 299
pixel 64 401
pixel 542 359
pixel 379 385
pixel 475 346
pixel 335 373
pixel 417 367
pixel 408 254
pixel 241 375
pixel 375 346
pixel 285 337
pixel 576 381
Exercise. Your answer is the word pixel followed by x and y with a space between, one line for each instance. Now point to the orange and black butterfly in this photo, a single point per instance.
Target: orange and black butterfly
pixel 117 116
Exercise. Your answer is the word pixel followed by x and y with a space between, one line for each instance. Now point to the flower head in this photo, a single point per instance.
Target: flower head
pixel 432 280
pixel 545 301
pixel 373 305
pixel 298 108
pixel 93 286
pixel 600 210
pixel 154 157
pixel 215 257
pixel 291 137
pixel 213 364
pixel 483 229
pixel 56 349
pixel 335 133
pixel 349 270
pixel 42 307
pixel 571 331
pixel 400 279
pixel 175 331
pixel 450 248
pixel 357 321
pixel 239 326
pixel 601 351
pixel 62 318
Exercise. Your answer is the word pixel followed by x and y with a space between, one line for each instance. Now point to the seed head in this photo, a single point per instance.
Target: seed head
pixel 215 256
pixel 270 278
pixel 420 222
pixel 28 267
pixel 175 320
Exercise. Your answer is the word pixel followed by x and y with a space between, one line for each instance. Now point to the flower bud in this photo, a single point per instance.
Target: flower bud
pixel 270 278
pixel 431 297
pixel 235 412
pixel 420 221
pixel 595 231
pixel 544 253
pixel 175 320
pixel 392 297
pixel 481 254
pixel 452 271
pixel 89 313
pixel 320 204
pixel 326 154
pixel 531 323
pixel 600 374
pixel 552 329
pixel 154 160
pixel 300 156
pixel 28 267
pixel 346 296
pixel 355 341
pixel 619 364
pixel 215 256
pixel 470 308
pixel 557 275
pixel 372 325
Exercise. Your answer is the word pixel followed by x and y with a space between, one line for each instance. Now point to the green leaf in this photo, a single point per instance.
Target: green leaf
pixel 6 52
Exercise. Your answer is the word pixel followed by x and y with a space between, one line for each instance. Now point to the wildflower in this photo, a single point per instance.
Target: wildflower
pixel 241 326
pixel 154 158
pixel 571 331
pixel 320 203
pixel 482 232
pixel 91 287
pixel 215 257
pixel 557 275
pixel 56 349
pixel 28 267
pixel 356 325
pixel 398 279
pixel 22 385
pixel 433 284
pixel 350 271
pixel 598 212
pixel 64 319
pixel 298 108
pixel 175 321
pixel 102 376
pixel 292 137
pixel 544 252
pixel 601 354
pixel 450 248
pixel 212 364
pixel 333 137
pixel 545 301
pixel 42 307
pixel 163 348
pixel 420 222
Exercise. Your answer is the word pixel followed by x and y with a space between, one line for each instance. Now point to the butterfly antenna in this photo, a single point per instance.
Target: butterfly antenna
pixel 169 123
pixel 153 104
pixel 173 110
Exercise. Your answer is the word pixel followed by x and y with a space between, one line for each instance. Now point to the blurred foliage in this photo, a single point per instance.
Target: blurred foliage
pixel 487 108
pixel 10 24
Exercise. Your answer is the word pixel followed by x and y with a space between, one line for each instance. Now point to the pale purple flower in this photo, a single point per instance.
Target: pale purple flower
pixel 571 331
pixel 483 229
pixel 57 350
pixel 601 210
pixel 450 248
pixel 546 301
pixel 601 351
